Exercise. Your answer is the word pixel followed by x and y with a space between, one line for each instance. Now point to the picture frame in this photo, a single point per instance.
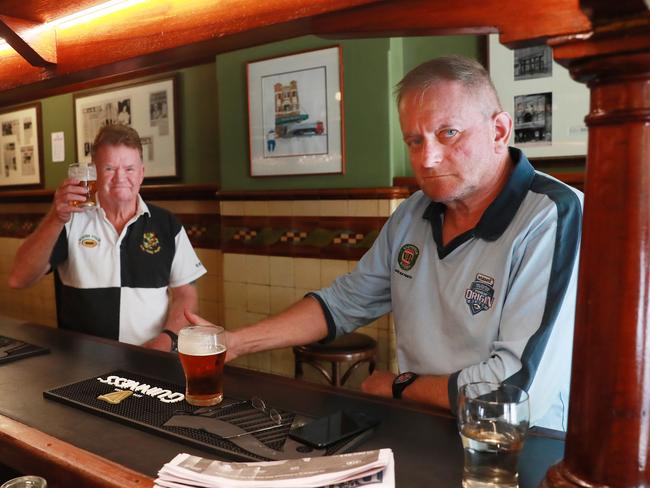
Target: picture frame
pixel 547 106
pixel 150 107
pixel 21 147
pixel 295 114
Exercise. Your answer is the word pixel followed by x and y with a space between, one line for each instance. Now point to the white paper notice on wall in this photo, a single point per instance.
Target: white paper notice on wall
pixel 58 147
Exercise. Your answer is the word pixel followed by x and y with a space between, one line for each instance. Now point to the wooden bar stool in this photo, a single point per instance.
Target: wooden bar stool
pixel 354 347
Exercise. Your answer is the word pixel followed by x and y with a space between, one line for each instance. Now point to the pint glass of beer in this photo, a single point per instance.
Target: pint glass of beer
pixel 202 351
pixel 87 176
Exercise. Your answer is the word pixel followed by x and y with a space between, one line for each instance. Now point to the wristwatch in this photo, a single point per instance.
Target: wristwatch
pixel 173 337
pixel 401 381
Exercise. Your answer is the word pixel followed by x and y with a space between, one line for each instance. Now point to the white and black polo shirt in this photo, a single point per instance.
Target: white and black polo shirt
pixel 116 286
pixel 496 303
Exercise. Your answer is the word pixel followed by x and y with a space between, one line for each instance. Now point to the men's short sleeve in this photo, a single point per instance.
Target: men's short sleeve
pixel 186 266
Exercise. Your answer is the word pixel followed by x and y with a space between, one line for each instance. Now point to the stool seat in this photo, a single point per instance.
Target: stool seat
pixel 354 347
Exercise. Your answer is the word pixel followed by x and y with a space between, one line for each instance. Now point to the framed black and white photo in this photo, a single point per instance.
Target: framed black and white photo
pixel 21 146
pixel 548 107
pixel 149 107
pixel 295 114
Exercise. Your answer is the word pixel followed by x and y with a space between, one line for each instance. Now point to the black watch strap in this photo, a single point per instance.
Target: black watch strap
pixel 173 337
pixel 401 381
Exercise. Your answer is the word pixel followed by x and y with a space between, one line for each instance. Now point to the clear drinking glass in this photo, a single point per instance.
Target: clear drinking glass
pixel 493 420
pixel 25 482
pixel 86 173
pixel 202 351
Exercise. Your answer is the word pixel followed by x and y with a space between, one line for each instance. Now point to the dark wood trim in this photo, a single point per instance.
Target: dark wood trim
pixel 31 451
pixel 149 192
pixel 325 194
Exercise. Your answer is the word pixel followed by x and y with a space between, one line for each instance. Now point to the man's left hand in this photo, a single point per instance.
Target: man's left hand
pixel 379 383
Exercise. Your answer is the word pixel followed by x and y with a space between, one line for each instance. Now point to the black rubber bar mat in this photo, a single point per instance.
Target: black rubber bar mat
pixel 159 406
pixel 12 349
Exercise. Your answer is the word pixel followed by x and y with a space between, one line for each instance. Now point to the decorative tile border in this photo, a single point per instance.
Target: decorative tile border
pixel 19 225
pixel 321 237
pixel 202 229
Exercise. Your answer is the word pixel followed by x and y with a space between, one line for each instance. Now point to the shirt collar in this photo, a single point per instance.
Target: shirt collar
pixel 501 211
pixel 142 207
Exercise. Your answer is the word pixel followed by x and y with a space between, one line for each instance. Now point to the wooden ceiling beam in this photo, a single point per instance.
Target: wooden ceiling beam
pixel 169 27
pixel 519 23
pixel 33 41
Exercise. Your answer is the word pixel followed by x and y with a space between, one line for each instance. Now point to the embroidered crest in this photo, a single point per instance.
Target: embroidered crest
pixel 408 255
pixel 480 295
pixel 90 241
pixel 150 243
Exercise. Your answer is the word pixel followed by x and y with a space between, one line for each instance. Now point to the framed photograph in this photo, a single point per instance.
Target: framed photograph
pixel 21 146
pixel 149 107
pixel 295 115
pixel 548 107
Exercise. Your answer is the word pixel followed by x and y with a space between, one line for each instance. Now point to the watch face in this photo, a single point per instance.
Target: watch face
pixel 403 377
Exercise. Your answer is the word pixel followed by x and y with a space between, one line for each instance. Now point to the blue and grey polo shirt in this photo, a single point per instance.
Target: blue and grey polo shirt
pixel 496 303
pixel 116 286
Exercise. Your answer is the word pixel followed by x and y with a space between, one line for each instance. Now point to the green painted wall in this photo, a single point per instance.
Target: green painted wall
pixel 365 81
pixel 371 68
pixel 198 128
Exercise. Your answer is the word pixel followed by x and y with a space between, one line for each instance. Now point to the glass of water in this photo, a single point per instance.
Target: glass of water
pixel 493 420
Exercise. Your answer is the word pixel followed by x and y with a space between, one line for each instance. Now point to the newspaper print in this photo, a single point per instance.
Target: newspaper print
pixel 94 117
pixel 158 114
pixel 147 148
pixel 27 166
pixel 9 155
pixel 338 471
pixel 28 130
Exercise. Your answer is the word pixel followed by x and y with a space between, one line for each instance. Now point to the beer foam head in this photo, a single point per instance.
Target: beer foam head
pixel 201 340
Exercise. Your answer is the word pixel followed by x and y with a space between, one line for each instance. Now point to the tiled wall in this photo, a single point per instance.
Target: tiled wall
pixel 257 285
pixel 34 304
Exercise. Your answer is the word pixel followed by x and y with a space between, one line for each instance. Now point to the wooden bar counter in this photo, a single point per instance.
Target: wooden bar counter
pixel 72 447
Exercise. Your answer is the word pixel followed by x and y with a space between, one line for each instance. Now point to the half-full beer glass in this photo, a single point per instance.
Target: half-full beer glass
pixel 202 351
pixel 493 421
pixel 87 176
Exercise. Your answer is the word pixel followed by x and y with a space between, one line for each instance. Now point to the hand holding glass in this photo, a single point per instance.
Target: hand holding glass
pixel 202 351
pixel 87 176
pixel 493 421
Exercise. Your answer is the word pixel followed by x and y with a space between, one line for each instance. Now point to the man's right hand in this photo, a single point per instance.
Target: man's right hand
pixel 194 319
pixel 68 191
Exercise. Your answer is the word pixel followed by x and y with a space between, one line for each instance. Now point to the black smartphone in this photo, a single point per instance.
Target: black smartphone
pixel 325 431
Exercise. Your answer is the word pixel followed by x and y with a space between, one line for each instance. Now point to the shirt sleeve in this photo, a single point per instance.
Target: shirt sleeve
pixel 363 295
pixel 186 265
pixel 60 250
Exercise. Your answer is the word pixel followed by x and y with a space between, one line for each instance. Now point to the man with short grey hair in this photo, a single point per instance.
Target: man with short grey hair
pixel 479 267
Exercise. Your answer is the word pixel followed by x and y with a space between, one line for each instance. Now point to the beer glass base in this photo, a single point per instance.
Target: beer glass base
pixel 202 401
pixel 489 477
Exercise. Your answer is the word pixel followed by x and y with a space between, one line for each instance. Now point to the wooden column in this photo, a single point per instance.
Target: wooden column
pixel 608 438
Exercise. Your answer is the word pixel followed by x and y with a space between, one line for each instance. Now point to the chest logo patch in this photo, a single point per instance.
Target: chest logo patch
pixel 480 295
pixel 150 243
pixel 408 255
pixel 89 241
